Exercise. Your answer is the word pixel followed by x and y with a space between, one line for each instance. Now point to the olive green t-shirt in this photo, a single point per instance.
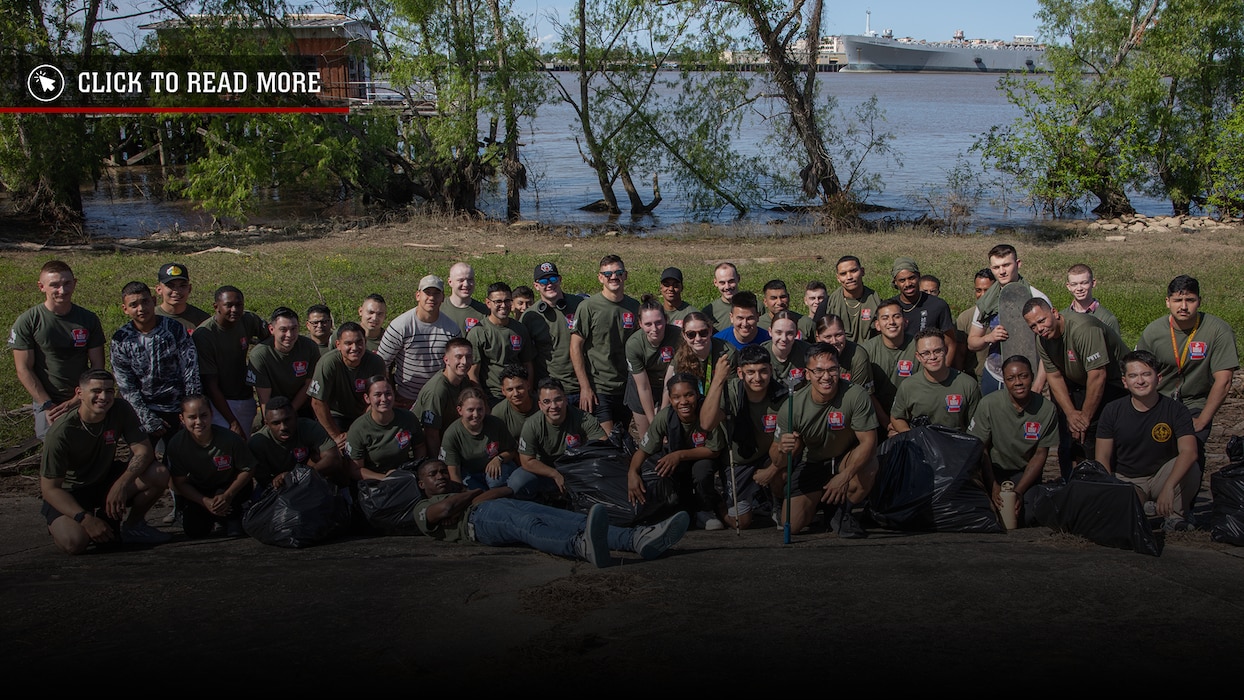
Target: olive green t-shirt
pixel 891 367
pixel 222 352
pixel 1101 313
pixel 437 404
pixel 1211 349
pixel 472 453
pixel 192 317
pixel 467 317
pixel 718 313
pixel 284 374
pixel 273 457
pixel 550 329
pixel 856 315
pixel 209 468
pixel 546 442
pixel 60 345
pixel 512 417
pixel 793 366
pixel 342 387
pixel 605 326
pixel 677 316
pixel 641 356
pixel 1086 344
pixel 83 453
pixel 761 422
pixel 384 447
pixel 951 402
pixel 694 436
pixel 828 430
pixel 805 329
pixel 497 346
pixel 447 530
pixel 1011 435
pixel 856 366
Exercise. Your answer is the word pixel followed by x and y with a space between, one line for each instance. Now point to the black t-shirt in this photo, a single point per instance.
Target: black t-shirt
pixel 1143 442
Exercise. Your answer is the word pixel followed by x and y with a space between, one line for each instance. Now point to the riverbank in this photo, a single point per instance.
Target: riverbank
pixel 338 263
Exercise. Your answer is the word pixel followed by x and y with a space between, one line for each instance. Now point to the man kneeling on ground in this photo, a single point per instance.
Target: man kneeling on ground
pixel 454 514
pixel 86 491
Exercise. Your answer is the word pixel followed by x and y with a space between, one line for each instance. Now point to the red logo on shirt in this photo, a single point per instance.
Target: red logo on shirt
pixel 572 440
pixel 1032 430
pixel 494 448
pixel 770 422
pixel 1196 350
pixel 244 341
pixel 79 337
pixel 798 335
pixel 570 321
pixel 360 385
pixel 628 319
pixel 698 438
pixel 300 368
pixel 796 373
pixel 403 438
pixel 905 367
pixel 516 342
pixel 954 402
pixel 676 323
pixel 471 322
pixel 300 455
pixel 866 314
pixel 837 420
pixel 1071 355
pixel 667 353
pixel 223 463
pixel 846 376
pixel 110 437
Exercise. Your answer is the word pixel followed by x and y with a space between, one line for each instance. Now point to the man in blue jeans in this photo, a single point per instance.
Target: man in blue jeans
pixel 454 514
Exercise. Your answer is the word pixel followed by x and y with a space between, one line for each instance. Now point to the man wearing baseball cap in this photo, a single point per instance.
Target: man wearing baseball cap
pixel 671 297
pixel 174 291
pixel 549 321
pixel 414 342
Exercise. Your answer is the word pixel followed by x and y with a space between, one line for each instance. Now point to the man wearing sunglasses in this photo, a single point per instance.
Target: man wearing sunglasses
pixel 549 321
pixel 598 342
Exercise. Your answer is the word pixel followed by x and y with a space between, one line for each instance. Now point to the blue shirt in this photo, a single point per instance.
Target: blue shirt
pixel 762 336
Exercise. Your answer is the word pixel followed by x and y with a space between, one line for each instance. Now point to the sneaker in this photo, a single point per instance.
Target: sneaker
pixel 233 528
pixel 845 525
pixel 142 533
pixel 714 524
pixel 593 543
pixel 650 542
pixel 1174 523
pixel 1151 509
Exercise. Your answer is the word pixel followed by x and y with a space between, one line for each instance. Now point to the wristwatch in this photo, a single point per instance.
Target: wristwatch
pixel 80 517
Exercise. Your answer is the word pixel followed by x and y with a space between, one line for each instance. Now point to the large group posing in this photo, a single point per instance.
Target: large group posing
pixel 731 401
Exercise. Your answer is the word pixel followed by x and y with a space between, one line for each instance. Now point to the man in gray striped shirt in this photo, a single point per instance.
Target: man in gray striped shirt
pixel 414 343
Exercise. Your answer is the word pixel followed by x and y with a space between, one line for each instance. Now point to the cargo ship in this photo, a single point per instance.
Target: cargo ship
pixel 870 52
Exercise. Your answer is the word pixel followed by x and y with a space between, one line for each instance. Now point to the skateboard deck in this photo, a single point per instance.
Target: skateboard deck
pixel 1021 340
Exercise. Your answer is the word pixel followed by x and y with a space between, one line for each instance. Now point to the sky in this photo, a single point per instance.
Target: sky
pixel 922 19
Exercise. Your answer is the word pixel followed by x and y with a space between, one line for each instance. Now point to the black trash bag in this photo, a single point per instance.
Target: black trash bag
pixel 305 510
pixel 1227 487
pixel 929 480
pixel 1095 505
pixel 389 503
pixel 596 473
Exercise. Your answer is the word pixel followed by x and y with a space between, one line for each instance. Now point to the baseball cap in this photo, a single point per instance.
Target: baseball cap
pixel 545 269
pixel 430 281
pixel 671 273
pixel 173 271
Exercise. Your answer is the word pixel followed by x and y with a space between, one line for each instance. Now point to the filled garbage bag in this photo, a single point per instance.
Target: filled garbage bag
pixel 389 503
pixel 1227 487
pixel 1095 505
pixel 596 473
pixel 929 480
pixel 303 511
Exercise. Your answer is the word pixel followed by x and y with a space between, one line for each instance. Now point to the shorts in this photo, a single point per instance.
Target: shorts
pixel 243 409
pixel 631 398
pixel 810 477
pixel 612 408
pixel 90 498
pixel 744 483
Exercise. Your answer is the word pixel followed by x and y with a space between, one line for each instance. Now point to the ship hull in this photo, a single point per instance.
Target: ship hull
pixel 877 54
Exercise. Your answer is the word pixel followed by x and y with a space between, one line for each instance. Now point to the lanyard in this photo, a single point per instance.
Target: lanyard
pixel 1181 357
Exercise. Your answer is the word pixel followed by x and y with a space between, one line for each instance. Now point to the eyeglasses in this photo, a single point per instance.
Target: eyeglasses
pixel 501 302
pixel 610 274
pixel 325 322
pixel 698 334
pixel 822 371
pixel 551 279
pixel 930 354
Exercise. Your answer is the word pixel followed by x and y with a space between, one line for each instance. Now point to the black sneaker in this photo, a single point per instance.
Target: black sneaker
pixel 652 541
pixel 845 525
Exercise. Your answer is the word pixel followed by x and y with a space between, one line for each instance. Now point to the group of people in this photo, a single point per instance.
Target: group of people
pixel 482 397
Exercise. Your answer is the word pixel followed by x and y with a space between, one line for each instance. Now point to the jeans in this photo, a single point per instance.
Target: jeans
pixel 507 521
pixel 481 480
pixel 527 485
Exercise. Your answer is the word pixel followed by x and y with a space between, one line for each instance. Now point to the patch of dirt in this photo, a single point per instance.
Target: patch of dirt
pixel 573 597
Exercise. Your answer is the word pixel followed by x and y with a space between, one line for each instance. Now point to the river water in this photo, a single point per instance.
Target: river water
pixel 933 117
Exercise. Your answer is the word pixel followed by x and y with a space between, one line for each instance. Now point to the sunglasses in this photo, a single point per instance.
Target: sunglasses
pixel 551 279
pixel 610 274
pixel 698 334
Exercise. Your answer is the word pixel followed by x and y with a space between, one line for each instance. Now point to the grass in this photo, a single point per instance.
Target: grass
pixel 342 267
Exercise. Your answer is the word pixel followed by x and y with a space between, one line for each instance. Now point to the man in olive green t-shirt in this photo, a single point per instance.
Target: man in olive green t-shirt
pixel 944 395
pixel 547 435
pixel 339 388
pixel 498 341
pixel 597 347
